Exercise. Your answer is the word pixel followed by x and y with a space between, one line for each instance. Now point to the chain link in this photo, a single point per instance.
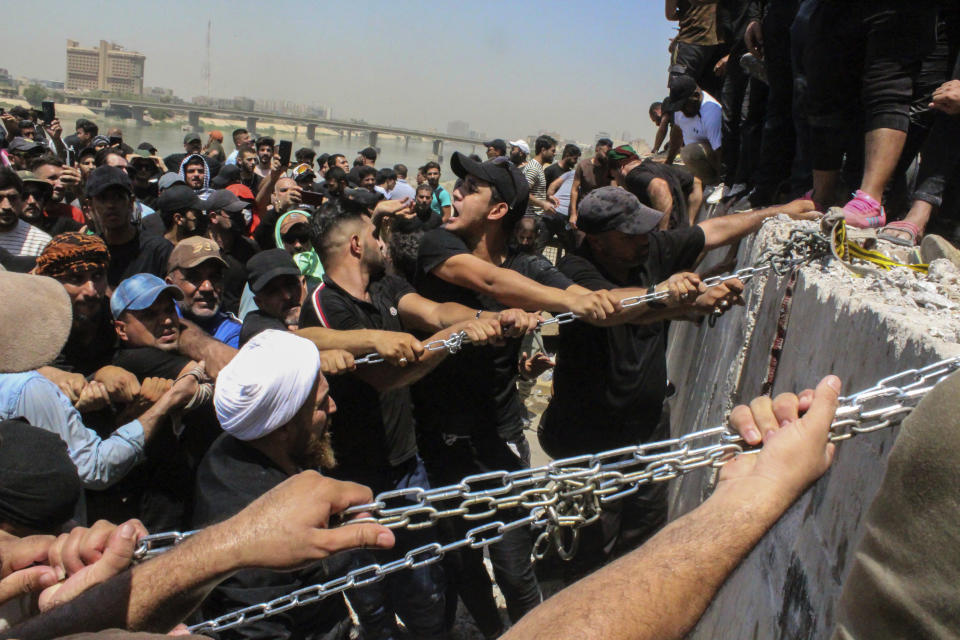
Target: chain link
pixel 801 247
pixel 566 494
pixel 453 344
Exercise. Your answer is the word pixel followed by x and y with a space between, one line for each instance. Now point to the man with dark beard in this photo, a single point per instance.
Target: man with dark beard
pixel 270 436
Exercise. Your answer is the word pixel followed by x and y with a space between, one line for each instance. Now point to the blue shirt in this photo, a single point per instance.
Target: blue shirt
pixel 100 461
pixel 222 326
pixel 440 200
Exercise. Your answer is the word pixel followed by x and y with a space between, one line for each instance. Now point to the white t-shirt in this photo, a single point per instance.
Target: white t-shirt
pixel 705 127
pixel 24 240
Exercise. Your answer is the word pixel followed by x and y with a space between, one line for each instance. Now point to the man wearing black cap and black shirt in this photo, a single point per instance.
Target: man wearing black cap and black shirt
pixel 274 280
pixel 192 143
pixel 496 148
pixel 225 215
pixel 468 408
pixel 111 200
pixel 182 213
pixel 610 383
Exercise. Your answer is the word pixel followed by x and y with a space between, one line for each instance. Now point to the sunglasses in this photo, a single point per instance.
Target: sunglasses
pixel 291 238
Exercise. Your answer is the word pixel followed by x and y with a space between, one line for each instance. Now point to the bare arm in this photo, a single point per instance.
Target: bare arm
pixel 695 200
pixel 662 130
pixel 676 141
pixel 447 212
pixel 661 199
pixel 574 197
pixel 286 528
pixel 554 187
pixel 511 289
pixel 727 229
pixel 197 344
pixel 664 586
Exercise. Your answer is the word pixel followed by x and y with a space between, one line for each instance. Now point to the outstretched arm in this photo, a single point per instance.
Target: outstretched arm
pixel 664 586
pixel 286 528
pixel 728 229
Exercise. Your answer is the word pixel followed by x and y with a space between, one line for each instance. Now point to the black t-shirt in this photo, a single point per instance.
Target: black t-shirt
pixel 370 429
pixel 145 253
pixel 474 390
pixel 679 179
pixel 55 225
pixel 610 383
pixel 87 358
pixel 149 362
pixel 231 476
pixel 553 172
pixel 257 321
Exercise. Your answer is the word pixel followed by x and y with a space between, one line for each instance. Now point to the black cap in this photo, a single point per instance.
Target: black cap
pixel 369 153
pixel 267 265
pixel 499 172
pixel 86 151
pixel 224 200
pixel 24 145
pixel 229 174
pixel 190 137
pixel 681 89
pixel 179 197
pixel 146 146
pixel 499 144
pixel 102 178
pixel 364 197
pixel 615 209
pixel 322 159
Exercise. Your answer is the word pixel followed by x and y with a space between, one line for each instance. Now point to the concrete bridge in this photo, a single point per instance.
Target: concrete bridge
pixel 344 128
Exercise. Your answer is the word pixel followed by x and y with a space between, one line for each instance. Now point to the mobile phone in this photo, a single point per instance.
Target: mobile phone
pixel 70 157
pixel 284 150
pixel 115 141
pixel 49 112
pixel 313 198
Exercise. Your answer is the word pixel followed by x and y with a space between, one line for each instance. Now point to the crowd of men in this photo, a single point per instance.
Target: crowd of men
pixel 180 336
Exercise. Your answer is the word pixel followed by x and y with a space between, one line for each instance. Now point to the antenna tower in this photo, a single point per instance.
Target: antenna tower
pixel 206 62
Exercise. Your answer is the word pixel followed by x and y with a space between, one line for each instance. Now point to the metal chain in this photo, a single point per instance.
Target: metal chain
pixel 801 247
pixel 452 344
pixel 566 494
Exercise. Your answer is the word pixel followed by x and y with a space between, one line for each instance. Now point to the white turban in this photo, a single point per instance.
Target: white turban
pixel 265 384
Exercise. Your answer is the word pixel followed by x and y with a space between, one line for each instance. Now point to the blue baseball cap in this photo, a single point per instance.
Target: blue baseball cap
pixel 139 292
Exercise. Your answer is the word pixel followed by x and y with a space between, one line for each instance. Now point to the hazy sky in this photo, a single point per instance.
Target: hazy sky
pixel 509 69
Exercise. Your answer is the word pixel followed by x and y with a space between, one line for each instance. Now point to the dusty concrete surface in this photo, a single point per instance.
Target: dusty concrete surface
pixel 861 329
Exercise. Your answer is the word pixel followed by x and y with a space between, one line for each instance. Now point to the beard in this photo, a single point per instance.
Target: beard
pixel 317 453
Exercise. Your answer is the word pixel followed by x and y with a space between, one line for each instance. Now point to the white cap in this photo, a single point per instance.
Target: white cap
pixel 522 144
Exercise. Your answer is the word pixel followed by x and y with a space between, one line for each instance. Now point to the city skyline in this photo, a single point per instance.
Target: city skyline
pixel 419 65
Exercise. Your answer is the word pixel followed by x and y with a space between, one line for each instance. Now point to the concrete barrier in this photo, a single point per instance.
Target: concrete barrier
pixel 860 329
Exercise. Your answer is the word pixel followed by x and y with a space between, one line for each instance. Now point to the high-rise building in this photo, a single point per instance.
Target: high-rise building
pixel 108 67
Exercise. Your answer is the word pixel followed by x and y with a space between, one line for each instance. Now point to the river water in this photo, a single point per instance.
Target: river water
pixel 168 138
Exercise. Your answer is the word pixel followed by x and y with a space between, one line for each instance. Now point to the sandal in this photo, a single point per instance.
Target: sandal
pixel 864 212
pixel 903 226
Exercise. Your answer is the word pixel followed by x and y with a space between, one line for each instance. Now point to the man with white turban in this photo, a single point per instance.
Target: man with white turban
pixel 274 405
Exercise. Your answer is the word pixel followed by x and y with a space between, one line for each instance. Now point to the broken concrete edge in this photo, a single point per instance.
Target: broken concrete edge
pixel 861 329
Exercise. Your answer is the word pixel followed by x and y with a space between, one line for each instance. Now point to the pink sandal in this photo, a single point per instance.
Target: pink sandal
pixel 864 212
pixel 904 226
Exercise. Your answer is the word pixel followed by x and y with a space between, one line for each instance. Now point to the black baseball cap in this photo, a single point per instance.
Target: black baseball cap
pixel 223 200
pixel 146 146
pixel 228 175
pixel 179 197
pixel 191 137
pixel 267 265
pixel 498 144
pixel 103 178
pixel 369 153
pixel 499 172
pixel 615 209
pixel 682 89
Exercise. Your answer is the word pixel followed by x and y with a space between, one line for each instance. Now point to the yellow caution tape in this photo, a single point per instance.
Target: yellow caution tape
pixel 847 250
